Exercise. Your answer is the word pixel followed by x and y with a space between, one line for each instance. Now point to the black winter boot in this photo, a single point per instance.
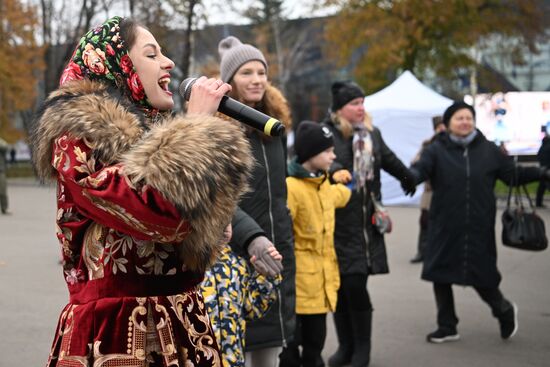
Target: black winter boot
pixel 344 333
pixel 290 356
pixel 362 330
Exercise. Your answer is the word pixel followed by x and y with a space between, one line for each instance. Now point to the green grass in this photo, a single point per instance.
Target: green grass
pixel 501 189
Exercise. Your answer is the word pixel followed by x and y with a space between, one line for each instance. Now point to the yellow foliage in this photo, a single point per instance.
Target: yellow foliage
pixel 384 37
pixel 20 63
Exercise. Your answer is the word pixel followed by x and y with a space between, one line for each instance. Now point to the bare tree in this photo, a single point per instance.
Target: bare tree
pixel 47 11
pixel 266 16
pixel 59 29
pixel 190 12
pixel 131 5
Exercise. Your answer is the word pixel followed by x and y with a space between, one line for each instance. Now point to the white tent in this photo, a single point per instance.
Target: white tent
pixel 403 112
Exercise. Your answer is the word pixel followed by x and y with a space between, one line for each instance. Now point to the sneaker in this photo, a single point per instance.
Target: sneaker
pixel 442 336
pixel 509 323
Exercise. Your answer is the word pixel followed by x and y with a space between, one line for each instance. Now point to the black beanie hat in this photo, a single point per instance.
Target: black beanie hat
pixel 450 111
pixel 343 92
pixel 311 139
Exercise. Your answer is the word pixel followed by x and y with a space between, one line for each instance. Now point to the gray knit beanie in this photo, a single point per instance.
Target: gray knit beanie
pixel 233 54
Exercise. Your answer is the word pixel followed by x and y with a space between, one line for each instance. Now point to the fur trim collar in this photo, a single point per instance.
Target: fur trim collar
pixel 87 110
pixel 199 163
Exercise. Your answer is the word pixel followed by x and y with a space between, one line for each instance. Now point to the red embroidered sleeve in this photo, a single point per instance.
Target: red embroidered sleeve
pixel 105 195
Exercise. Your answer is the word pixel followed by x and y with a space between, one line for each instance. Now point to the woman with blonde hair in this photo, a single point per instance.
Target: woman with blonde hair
pixel 360 155
pixel 262 218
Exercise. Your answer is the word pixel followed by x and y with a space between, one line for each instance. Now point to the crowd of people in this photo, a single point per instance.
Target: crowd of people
pixel 186 239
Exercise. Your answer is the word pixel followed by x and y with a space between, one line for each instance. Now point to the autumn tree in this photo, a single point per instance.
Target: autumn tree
pixel 20 63
pixel 381 38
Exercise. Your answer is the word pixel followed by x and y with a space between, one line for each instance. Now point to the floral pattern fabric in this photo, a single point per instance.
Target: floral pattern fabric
pixel 99 209
pixel 117 250
pixel 234 294
pixel 169 315
pixel 102 55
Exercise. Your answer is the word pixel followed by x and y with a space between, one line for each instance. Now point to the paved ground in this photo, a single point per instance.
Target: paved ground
pixel 32 293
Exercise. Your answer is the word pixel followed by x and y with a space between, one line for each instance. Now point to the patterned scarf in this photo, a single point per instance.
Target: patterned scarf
pixel 102 55
pixel 363 159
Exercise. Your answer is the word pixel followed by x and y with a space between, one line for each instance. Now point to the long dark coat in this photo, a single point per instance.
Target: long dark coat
pixel 360 248
pixel 263 211
pixel 461 245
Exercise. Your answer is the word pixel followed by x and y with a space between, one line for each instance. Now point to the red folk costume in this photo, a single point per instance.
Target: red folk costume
pixel 143 199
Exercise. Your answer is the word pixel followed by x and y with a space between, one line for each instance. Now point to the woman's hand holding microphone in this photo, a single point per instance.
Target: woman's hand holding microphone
pixel 206 96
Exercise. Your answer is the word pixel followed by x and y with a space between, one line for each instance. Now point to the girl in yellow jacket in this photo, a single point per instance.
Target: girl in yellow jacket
pixel 312 200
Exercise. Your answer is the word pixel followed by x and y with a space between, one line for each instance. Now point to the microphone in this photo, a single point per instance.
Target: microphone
pixel 239 111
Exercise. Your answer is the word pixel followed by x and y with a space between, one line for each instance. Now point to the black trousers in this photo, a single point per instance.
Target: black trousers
pixel 353 294
pixel 423 232
pixel 540 193
pixel 444 299
pixel 311 331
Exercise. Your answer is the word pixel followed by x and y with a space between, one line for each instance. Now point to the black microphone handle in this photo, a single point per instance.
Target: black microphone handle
pixel 251 117
pixel 241 112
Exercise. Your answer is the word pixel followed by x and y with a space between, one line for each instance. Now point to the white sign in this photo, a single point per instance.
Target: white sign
pixel 516 119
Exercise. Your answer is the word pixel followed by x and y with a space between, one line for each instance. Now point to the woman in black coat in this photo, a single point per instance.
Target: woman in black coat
pixel 463 166
pixel 360 155
pixel 262 218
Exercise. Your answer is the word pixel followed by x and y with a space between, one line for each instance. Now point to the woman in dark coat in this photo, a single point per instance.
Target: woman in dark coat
pixel 360 155
pixel 262 218
pixel 463 166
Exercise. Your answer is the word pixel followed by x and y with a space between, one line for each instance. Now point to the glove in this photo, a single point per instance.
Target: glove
pixel 408 185
pixel 264 263
pixel 342 176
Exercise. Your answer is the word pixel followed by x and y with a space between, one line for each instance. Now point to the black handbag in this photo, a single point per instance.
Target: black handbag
pixel 522 229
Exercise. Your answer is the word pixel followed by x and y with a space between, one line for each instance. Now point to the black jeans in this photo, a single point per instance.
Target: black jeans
pixel 423 232
pixel 353 294
pixel 311 331
pixel 444 299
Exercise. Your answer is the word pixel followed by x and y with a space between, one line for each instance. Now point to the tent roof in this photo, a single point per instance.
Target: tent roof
pixel 407 93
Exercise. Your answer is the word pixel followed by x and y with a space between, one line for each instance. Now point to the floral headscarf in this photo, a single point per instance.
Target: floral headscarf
pixel 102 55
